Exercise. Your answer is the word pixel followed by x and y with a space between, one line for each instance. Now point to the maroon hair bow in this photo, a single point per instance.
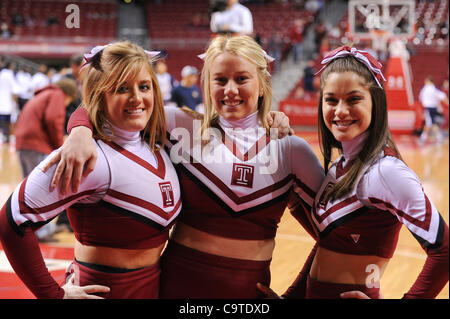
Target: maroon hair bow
pixel 365 57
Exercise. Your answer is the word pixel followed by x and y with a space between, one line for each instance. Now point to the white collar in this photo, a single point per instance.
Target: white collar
pixel 352 148
pixel 246 122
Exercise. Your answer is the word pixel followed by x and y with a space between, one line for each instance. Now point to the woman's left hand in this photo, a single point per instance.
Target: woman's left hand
pixel 279 121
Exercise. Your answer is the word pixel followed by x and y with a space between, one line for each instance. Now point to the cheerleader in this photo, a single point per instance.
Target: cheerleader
pixel 368 193
pixel 121 219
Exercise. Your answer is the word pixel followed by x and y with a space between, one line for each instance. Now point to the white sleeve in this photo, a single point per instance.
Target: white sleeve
pixel 32 202
pixel 307 169
pixel 390 185
pixel 441 95
pixel 177 118
pixel 213 23
pixel 246 22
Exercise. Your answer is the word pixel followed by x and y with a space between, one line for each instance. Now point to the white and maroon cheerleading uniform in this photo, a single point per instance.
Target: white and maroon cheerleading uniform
pixel 231 189
pixel 129 201
pixel 367 221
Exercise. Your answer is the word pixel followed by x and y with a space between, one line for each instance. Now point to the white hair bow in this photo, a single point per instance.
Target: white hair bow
pixel 99 48
pixel 365 57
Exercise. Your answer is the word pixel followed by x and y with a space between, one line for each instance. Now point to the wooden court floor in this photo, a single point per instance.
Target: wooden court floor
pixel 293 244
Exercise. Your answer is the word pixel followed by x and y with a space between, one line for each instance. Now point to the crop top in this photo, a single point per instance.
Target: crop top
pixel 130 208
pixel 386 195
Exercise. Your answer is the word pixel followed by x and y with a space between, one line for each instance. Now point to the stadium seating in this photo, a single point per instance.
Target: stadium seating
pixel 29 20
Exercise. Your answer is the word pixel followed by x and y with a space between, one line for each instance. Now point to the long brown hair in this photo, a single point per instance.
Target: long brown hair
pixel 107 71
pixel 379 135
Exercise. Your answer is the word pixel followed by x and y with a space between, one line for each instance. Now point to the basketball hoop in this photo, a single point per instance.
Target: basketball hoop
pixel 379 21
pixel 380 39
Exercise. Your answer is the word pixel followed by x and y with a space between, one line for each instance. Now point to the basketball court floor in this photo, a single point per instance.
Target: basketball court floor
pixel 293 244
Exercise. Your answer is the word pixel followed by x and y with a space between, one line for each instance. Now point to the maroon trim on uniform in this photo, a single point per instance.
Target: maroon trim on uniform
pixel 340 171
pixel 144 204
pixel 334 208
pixel 388 151
pixel 253 151
pixel 224 188
pixel 425 224
pixel 235 198
pixel 305 188
pixel 25 209
pixel 160 171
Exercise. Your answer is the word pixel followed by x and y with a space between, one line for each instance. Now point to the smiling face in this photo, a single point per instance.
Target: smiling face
pixel 234 86
pixel 131 106
pixel 346 105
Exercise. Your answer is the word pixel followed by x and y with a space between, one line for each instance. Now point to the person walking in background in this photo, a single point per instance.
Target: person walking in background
pixel 431 97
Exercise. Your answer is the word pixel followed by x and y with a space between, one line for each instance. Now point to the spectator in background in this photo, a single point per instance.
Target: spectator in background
pixel 187 93
pixel 23 80
pixel 8 92
pixel 234 19
pixel 165 80
pixel 431 98
pixel 5 31
pixel 320 32
pixel 40 79
pixel 296 37
pixel 17 19
pixel 40 130
pixel 275 47
pixel 308 78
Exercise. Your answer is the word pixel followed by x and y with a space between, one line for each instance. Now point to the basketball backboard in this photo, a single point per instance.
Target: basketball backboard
pixel 393 19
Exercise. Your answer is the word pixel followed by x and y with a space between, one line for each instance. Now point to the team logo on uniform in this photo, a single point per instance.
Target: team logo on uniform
pixel 242 175
pixel 167 194
pixel 322 203
pixel 355 237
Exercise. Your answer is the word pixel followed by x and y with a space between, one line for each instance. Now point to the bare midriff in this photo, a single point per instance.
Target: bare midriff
pixel 227 247
pixel 330 266
pixel 117 257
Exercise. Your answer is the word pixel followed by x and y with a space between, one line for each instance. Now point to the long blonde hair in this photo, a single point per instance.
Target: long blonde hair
pixel 107 71
pixel 243 46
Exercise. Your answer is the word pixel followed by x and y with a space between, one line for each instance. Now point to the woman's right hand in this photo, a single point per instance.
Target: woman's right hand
pixel 77 158
pixel 72 291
